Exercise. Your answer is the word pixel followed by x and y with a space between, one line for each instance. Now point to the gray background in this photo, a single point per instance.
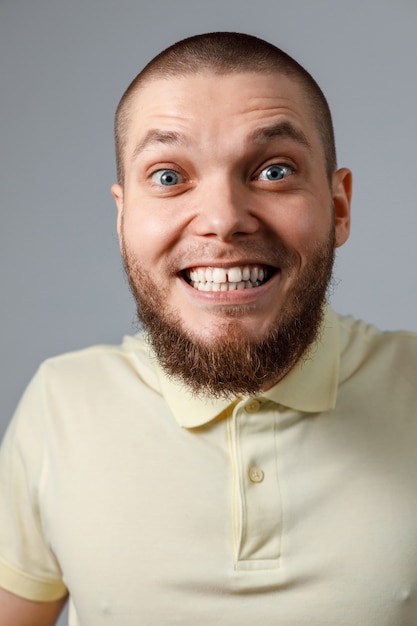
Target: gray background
pixel 63 67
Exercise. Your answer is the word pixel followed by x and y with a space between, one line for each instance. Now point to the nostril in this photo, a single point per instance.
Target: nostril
pixel 226 221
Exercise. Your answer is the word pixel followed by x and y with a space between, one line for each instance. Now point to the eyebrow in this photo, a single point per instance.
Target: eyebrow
pixel 154 136
pixel 282 129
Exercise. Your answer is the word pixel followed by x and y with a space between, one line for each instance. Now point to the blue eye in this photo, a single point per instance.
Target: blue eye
pixel 166 178
pixel 275 172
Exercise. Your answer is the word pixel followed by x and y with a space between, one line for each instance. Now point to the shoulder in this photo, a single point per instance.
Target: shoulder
pixel 91 382
pixel 379 354
pixel 101 354
pixel 101 364
pixel 354 332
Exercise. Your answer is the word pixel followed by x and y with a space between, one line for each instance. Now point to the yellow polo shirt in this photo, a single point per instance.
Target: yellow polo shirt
pixel 151 507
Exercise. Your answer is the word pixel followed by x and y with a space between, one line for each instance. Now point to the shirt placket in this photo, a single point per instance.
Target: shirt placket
pixel 257 506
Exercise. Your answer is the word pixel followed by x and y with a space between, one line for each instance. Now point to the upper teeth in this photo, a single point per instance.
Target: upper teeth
pixel 222 279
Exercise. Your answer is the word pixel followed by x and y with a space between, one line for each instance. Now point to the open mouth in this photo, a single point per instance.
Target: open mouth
pixel 228 279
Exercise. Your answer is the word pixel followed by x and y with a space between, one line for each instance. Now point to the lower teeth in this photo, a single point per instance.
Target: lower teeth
pixel 225 286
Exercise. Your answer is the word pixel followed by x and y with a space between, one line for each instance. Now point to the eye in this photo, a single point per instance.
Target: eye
pixel 275 172
pixel 166 178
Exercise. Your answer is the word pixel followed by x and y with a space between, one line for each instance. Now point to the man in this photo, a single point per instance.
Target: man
pixel 251 458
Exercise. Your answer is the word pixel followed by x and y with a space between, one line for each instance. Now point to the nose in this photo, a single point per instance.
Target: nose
pixel 224 211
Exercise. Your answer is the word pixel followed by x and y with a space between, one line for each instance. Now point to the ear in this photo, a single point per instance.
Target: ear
pixel 117 193
pixel 342 194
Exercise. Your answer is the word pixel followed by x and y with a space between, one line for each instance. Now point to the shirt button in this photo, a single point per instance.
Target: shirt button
pixel 256 475
pixel 252 406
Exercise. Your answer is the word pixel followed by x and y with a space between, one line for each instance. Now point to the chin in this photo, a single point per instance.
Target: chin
pixel 234 326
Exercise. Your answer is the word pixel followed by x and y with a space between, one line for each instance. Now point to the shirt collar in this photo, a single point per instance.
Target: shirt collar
pixel 310 386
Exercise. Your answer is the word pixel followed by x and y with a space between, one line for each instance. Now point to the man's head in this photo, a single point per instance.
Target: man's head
pixel 229 210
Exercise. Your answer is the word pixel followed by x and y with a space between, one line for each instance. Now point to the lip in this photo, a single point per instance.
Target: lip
pixel 227 266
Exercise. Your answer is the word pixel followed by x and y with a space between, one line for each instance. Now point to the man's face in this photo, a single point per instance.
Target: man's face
pixel 226 209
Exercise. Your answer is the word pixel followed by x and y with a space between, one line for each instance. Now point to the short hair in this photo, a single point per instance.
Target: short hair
pixel 226 53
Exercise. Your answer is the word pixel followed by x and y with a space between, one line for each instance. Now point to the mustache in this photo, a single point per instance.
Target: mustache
pixel 273 254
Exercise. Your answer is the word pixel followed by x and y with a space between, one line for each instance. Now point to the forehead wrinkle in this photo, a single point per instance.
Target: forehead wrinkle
pixel 155 136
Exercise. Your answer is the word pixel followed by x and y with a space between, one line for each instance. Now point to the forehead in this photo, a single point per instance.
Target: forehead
pixel 206 105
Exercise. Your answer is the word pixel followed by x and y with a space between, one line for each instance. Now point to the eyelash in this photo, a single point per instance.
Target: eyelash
pixel 281 166
pixel 169 171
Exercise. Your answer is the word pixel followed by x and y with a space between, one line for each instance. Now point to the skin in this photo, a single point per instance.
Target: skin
pixel 16 611
pixel 224 212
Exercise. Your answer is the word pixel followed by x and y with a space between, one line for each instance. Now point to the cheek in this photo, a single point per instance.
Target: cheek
pixel 147 233
pixel 303 225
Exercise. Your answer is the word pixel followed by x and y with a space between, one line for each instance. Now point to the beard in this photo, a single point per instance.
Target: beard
pixel 232 365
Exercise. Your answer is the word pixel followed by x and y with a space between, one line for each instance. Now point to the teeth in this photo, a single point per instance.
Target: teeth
pixel 221 279
pixel 235 274
pixel 224 286
pixel 219 275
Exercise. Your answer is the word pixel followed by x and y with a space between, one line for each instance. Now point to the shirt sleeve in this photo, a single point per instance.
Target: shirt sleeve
pixel 28 565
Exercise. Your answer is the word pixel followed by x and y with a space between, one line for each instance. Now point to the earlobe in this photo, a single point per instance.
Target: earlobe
pixel 117 193
pixel 342 194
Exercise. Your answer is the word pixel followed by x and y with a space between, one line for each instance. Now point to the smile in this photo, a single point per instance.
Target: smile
pixel 227 279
